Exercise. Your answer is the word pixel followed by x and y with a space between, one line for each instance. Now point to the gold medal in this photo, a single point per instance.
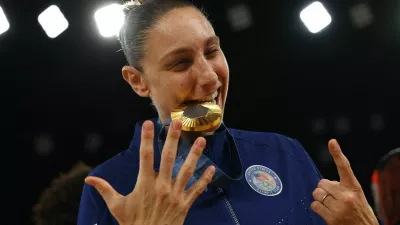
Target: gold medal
pixel 198 117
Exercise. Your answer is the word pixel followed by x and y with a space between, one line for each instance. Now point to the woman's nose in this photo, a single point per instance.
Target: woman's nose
pixel 207 77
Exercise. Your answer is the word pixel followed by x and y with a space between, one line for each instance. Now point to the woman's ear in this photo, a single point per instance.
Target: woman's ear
pixel 136 81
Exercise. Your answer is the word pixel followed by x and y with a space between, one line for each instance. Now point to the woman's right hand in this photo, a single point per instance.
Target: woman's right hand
pixel 157 198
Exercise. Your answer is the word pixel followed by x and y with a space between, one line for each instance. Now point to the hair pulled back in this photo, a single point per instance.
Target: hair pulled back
pixel 140 17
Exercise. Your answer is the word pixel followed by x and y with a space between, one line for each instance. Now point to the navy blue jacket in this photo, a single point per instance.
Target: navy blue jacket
pixel 276 187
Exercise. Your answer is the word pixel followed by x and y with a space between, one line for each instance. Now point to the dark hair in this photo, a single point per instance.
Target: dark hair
pixel 387 157
pixel 140 17
pixel 59 203
pixel 389 187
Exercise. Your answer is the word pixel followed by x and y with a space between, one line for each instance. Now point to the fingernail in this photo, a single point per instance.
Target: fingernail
pixel 87 181
pixel 176 125
pixel 199 143
pixel 211 170
pixel 147 126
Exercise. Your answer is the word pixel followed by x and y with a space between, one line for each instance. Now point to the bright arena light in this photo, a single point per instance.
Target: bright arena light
pixel 315 17
pixel 53 21
pixel 4 24
pixel 110 20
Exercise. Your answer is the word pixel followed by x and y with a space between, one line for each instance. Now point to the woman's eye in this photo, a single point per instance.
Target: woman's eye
pixel 212 51
pixel 182 65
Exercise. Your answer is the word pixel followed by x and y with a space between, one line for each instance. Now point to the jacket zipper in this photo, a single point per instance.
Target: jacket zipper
pixel 229 206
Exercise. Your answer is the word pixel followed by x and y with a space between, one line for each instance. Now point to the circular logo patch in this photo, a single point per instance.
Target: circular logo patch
pixel 263 180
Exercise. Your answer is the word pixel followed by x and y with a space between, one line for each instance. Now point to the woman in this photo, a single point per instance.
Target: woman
pixel 386 187
pixel 245 177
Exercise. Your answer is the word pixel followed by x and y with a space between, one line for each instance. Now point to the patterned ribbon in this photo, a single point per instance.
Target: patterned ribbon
pixel 220 178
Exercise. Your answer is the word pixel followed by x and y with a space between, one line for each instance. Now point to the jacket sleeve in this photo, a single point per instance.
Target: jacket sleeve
pixel 92 209
pixel 319 176
pixel 312 175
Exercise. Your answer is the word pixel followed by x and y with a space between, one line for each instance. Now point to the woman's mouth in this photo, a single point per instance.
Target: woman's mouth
pixel 214 98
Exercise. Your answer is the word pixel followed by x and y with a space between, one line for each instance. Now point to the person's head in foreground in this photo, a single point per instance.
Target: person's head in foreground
pixel 242 177
pixel 386 179
pixel 59 203
pixel 174 55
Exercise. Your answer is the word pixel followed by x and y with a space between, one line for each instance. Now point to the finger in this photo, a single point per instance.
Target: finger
pixel 343 165
pixel 322 211
pixel 146 150
pixel 107 192
pixel 189 165
pixel 199 187
pixel 169 151
pixel 319 195
pixel 331 187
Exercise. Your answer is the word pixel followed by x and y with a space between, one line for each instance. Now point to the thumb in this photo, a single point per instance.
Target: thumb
pixel 104 188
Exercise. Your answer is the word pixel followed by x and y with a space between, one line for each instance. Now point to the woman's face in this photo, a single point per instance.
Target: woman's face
pixel 183 61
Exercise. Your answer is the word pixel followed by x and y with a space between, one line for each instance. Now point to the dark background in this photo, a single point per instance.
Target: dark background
pixel 65 99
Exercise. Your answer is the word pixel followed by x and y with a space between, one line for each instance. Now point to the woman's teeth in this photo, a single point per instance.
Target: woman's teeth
pixel 214 96
pixel 211 98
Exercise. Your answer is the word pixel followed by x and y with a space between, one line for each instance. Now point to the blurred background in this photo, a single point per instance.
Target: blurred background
pixel 65 99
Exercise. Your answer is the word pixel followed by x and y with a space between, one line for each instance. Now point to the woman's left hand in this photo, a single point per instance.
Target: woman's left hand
pixel 342 203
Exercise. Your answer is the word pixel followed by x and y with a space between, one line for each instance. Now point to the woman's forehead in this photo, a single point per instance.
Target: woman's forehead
pixel 179 28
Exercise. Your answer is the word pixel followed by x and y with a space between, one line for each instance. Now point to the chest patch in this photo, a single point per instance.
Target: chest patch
pixel 263 180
